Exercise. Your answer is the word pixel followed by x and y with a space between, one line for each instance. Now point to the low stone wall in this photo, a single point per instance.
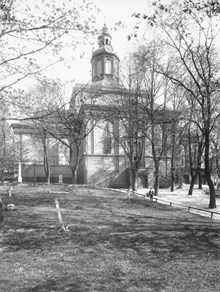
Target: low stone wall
pixel 32 172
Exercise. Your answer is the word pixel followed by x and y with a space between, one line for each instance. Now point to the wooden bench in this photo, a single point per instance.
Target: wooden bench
pixel 217 193
pixel 206 191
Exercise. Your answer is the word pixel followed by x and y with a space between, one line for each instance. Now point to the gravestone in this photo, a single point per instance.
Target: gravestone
pixel 19 173
pixel 60 179
pixel 9 191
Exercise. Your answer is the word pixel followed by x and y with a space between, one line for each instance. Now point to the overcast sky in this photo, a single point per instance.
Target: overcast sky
pixel 112 11
pixel 115 10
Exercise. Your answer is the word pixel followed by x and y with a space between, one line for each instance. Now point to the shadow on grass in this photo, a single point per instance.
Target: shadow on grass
pixel 112 245
pixel 76 285
pixel 123 225
pixel 106 219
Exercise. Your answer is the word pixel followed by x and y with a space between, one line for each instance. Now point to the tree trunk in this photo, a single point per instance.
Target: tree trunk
pixel 48 176
pixel 47 169
pixel 172 178
pixel 74 181
pixel 173 174
pixel 192 183
pixel 191 163
pixel 46 158
pixel 133 179
pixel 212 199
pixel 199 163
pixel 72 163
pixel 156 181
pixel 199 178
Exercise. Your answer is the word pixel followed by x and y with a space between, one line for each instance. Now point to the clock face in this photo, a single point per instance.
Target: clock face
pixel 108 48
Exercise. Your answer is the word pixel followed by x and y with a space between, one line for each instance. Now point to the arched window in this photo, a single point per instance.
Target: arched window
pixel 107 139
pixel 99 68
pixel 108 67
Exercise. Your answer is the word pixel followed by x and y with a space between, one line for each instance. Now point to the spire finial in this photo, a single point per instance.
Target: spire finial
pixel 104 29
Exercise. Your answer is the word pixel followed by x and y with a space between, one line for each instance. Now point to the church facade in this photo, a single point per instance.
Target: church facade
pixel 101 157
pixel 103 160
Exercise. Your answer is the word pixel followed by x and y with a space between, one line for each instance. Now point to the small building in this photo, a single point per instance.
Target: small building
pixel 31 155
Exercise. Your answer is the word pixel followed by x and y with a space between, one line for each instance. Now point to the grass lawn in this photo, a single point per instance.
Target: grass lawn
pixel 113 244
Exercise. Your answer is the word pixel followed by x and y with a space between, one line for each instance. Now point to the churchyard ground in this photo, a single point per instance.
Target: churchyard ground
pixel 112 244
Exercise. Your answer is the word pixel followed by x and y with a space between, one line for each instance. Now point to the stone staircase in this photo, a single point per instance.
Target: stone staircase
pixel 118 181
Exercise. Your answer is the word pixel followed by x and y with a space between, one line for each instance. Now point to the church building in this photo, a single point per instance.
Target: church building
pixel 103 160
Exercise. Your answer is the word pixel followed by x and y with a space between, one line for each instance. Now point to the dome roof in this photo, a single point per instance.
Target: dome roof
pixel 101 51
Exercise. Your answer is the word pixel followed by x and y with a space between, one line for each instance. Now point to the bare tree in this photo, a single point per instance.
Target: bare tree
pixel 158 119
pixel 44 138
pixel 190 30
pixel 123 103
pixel 33 37
pixel 178 132
pixel 9 152
pixel 70 122
pixel 140 117
pixel 36 35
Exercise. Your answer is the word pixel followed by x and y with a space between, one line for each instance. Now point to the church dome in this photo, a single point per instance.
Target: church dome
pixel 102 50
pixel 99 51
pixel 105 62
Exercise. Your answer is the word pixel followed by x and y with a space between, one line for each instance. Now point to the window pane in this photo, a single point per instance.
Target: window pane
pixel 99 68
pixel 108 67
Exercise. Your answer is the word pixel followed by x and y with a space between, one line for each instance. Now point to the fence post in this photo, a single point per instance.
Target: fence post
pixel 58 212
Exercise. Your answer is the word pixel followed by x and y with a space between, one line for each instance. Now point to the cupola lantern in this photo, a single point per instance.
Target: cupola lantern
pixel 105 63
